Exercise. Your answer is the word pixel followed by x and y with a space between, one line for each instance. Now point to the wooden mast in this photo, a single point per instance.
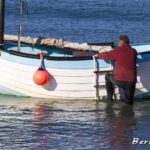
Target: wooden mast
pixel 2 10
pixel 20 25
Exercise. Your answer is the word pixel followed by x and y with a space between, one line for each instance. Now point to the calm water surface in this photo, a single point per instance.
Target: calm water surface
pixel 67 125
pixel 82 20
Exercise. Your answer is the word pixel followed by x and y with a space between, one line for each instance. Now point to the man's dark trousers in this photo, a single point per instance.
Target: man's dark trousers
pixel 126 88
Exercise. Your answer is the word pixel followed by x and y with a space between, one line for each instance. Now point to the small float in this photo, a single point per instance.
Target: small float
pixel 70 70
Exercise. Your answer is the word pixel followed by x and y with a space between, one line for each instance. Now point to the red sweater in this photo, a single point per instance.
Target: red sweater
pixel 125 62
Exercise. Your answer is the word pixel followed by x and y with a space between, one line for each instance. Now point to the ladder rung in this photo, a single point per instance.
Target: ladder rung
pixel 100 71
pixel 99 86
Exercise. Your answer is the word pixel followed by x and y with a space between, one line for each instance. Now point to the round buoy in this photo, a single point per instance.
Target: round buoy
pixel 40 77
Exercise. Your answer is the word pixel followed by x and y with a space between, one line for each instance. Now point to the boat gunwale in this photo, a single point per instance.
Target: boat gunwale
pixel 34 56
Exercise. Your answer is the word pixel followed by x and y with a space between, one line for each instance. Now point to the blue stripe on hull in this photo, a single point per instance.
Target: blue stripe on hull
pixel 144 95
pixel 83 64
pixel 8 91
pixel 143 58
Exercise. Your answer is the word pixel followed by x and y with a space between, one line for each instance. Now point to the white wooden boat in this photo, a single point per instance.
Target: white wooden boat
pixel 73 77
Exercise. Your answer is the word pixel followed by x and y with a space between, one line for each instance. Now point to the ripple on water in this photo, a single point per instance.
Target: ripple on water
pixel 54 124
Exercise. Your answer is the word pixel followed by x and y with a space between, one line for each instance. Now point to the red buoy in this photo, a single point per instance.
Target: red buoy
pixel 40 77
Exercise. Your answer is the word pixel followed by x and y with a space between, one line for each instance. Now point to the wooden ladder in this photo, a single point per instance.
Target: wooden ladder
pixel 97 73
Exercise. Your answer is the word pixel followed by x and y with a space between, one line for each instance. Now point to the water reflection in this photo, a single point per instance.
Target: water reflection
pixel 122 124
pixel 41 123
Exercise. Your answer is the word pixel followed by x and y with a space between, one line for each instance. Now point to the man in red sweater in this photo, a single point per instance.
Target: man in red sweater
pixel 125 71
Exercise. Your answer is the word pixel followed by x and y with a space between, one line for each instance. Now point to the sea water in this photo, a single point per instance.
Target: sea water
pixel 82 20
pixel 38 124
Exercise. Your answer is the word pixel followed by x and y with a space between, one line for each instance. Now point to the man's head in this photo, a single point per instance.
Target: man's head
pixel 123 40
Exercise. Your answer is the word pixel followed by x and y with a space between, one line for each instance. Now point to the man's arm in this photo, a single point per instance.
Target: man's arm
pixel 112 55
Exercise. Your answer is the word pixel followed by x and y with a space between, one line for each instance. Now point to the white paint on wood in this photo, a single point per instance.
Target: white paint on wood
pixel 66 83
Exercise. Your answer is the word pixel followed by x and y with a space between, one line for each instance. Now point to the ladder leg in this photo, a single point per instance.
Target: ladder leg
pixel 96 68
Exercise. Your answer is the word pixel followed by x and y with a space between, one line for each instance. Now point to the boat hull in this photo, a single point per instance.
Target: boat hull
pixel 67 79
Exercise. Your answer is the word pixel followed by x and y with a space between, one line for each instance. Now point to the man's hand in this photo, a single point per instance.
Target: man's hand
pixel 96 55
pixel 41 53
